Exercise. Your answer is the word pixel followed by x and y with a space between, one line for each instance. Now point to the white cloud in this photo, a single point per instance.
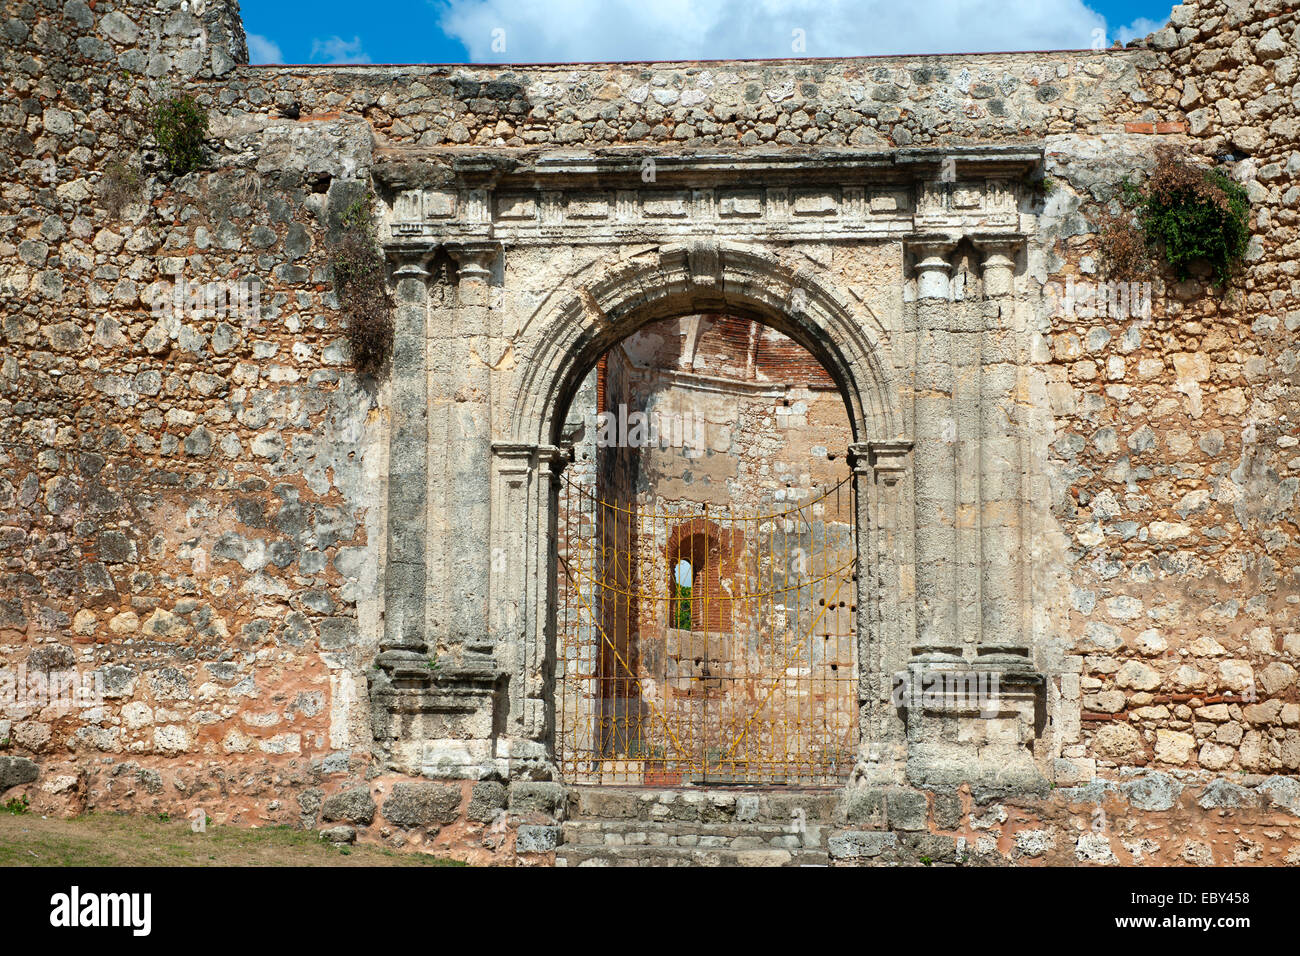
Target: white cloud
pixel 336 50
pixel 262 50
pixel 1138 28
pixel 578 30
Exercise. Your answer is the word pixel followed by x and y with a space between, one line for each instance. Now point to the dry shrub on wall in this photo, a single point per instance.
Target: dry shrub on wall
pixel 121 185
pixel 359 280
pixel 1186 214
pixel 1124 252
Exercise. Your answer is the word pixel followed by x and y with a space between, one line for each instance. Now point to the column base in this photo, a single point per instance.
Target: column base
pixel 937 654
pixel 413 704
pixel 974 723
pixel 1008 657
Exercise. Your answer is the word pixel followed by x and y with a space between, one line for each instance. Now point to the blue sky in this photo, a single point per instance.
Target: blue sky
pixel 531 31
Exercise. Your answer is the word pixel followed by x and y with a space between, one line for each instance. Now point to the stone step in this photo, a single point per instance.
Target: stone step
pixel 736 836
pixel 703 805
pixel 566 855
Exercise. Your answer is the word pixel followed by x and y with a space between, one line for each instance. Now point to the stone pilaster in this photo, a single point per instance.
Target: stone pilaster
pixel 404 646
pixel 523 515
pixel 883 572
pixel 468 451
pixel 1001 552
pixel 935 471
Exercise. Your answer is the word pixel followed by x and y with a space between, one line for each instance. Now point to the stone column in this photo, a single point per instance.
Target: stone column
pixel 404 646
pixel 514 569
pixel 868 586
pixel 935 466
pixel 882 585
pixel 1002 558
pixel 537 712
pixel 965 331
pixel 469 454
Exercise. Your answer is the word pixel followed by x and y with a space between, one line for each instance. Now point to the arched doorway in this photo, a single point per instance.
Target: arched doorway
pixel 706 564
pixel 553 358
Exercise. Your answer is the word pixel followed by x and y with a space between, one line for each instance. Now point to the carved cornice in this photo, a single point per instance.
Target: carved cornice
pixel 516 458
pixel 590 198
pixel 411 261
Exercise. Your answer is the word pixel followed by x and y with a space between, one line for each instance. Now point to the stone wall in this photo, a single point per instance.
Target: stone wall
pixel 195 499
pixel 1174 437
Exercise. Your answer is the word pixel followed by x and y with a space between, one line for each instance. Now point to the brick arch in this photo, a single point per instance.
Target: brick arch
pixel 716 551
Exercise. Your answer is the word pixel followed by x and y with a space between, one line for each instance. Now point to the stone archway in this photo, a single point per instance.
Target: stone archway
pixel 511 280
pixel 707 275
pixel 744 280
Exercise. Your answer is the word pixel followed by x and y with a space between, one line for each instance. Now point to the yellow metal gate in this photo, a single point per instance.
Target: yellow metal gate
pixel 701 646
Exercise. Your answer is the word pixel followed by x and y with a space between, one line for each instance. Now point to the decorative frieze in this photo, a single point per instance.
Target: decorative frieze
pixel 886 201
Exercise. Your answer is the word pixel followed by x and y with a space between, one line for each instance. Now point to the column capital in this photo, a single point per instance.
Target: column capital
pixel 885 458
pixel 997 243
pixel 999 261
pixel 521 457
pixel 932 266
pixel 474 258
pixel 928 245
pixel 410 261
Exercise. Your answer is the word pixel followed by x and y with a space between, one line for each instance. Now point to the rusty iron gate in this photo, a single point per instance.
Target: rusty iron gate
pixel 700 646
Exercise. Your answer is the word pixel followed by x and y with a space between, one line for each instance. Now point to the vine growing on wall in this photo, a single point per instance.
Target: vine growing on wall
pixel 359 281
pixel 1183 214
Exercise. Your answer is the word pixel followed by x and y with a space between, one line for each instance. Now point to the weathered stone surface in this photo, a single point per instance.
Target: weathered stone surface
pixel 1154 791
pixel 422 804
pixel 192 511
pixel 536 839
pixel 853 844
pixel 16 771
pixel 487 800
pixel 537 797
pixel 339 834
pixel 1222 793
pixel 353 806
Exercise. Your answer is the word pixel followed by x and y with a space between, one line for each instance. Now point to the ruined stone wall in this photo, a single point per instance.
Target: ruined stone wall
pixel 1174 434
pixel 192 502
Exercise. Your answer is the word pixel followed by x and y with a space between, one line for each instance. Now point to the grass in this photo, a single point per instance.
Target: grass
pixel 126 840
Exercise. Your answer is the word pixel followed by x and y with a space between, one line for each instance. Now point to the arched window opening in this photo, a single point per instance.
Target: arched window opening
pixel 683 575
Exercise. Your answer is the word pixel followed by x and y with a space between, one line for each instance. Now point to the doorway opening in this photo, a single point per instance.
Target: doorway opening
pixel 705 580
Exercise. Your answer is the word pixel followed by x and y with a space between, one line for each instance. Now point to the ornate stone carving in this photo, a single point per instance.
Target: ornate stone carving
pixel 822 199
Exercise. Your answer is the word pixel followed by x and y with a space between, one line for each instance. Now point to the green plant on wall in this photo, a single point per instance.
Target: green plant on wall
pixel 180 125
pixel 1184 213
pixel 359 280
